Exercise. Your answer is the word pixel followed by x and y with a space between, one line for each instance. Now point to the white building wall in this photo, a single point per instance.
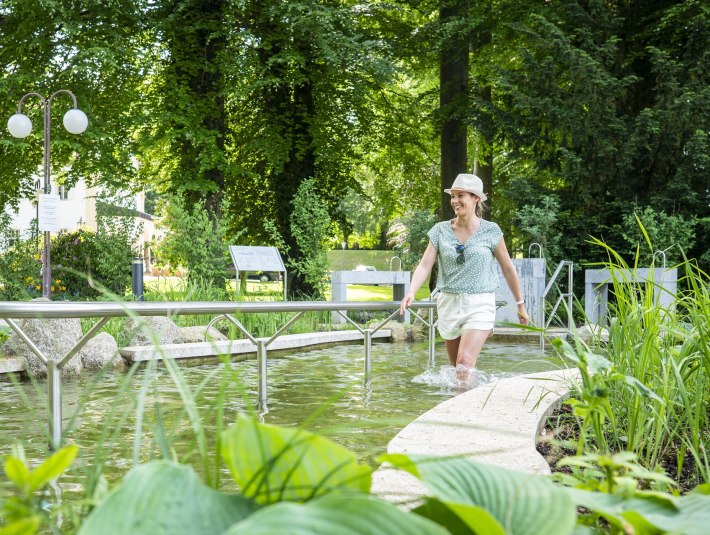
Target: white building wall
pixel 72 210
pixel 78 209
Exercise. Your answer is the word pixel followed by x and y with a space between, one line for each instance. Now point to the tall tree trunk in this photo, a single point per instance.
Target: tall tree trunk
pixel 196 41
pixel 453 88
pixel 195 36
pixel 483 164
pixel 292 106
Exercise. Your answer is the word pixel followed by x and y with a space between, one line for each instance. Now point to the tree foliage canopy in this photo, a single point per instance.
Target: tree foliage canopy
pixel 602 106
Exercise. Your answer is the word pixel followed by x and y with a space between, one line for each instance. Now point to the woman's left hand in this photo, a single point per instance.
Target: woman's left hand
pixel 523 317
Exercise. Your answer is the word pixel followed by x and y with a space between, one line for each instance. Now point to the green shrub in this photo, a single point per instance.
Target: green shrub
pixel 86 262
pixel 672 234
pixel 310 224
pixel 539 224
pixel 193 240
pixel 20 264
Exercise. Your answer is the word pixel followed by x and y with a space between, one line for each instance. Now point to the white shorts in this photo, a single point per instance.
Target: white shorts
pixel 465 312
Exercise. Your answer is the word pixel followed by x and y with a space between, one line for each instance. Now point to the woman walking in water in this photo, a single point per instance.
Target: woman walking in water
pixel 466 249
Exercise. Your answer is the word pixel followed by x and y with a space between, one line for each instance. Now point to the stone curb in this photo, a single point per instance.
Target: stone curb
pixel 200 350
pixel 495 424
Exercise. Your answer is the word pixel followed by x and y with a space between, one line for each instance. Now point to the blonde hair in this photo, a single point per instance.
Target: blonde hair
pixel 480 206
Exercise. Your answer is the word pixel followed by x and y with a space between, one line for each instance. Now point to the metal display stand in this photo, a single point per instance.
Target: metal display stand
pixel 252 258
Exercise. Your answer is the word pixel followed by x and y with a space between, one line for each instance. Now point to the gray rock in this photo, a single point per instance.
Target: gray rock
pixel 101 350
pixel 53 337
pixel 152 330
pixel 589 333
pixel 197 334
pixel 402 332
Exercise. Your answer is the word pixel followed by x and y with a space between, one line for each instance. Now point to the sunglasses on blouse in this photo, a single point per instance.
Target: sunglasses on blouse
pixel 460 259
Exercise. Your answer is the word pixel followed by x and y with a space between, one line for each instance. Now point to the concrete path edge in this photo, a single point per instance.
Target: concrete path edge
pixel 497 424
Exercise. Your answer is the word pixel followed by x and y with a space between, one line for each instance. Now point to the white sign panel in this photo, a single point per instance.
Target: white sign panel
pixel 48 213
pixel 253 258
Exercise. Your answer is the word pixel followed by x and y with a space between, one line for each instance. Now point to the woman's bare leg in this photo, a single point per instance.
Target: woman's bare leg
pixel 469 347
pixel 452 349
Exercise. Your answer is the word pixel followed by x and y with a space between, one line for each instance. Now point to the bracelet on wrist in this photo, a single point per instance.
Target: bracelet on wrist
pixel 521 302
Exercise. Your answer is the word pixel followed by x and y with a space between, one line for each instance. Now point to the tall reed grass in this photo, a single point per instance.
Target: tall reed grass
pixel 665 422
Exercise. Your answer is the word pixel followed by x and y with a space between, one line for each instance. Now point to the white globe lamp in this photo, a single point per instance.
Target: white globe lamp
pixel 19 125
pixel 75 121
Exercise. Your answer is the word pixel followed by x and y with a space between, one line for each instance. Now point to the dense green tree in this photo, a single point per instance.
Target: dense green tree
pixel 601 105
pixel 299 106
pixel 182 142
pixel 93 49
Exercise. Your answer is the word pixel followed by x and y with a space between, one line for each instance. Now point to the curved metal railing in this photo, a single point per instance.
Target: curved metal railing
pixel 11 311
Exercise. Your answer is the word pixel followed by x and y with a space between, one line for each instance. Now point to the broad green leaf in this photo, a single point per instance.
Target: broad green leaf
pixel 272 464
pixel 649 513
pixel 53 467
pixel 340 514
pixel 18 473
pixel 26 526
pixel 521 503
pixel 701 489
pixel 693 517
pixel 459 518
pixel 164 497
pixel 596 363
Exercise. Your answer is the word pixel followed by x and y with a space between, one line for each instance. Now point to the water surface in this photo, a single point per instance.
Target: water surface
pixel 323 390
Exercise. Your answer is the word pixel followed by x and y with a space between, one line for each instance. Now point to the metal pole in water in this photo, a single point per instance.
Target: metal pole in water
pixel 54 391
pixel 432 340
pixel 367 333
pixel 261 365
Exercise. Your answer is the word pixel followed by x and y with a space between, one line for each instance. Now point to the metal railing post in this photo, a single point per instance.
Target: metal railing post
pixel 261 371
pixel 432 339
pixel 54 391
pixel 570 296
pixel 367 334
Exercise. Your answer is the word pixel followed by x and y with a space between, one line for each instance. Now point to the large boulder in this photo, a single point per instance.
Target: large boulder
pixel 589 333
pixel 101 350
pixel 402 332
pixel 151 330
pixel 197 334
pixel 53 337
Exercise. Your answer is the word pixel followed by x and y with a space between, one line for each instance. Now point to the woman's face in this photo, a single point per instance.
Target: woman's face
pixel 463 202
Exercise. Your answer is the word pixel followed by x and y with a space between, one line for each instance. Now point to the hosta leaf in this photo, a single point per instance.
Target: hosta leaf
pixel 340 514
pixel 24 526
pixel 459 518
pixel 688 514
pixel 164 497
pixel 273 464
pixel 522 503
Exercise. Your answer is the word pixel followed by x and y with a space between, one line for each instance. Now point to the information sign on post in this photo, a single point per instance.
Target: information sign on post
pixel 48 213
pixel 250 258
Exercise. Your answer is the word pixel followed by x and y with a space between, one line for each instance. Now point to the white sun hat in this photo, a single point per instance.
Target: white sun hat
pixel 470 183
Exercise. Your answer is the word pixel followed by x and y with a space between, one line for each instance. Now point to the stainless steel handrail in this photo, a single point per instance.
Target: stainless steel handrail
pixel 539 249
pixel 11 310
pixel 569 294
pixel 398 259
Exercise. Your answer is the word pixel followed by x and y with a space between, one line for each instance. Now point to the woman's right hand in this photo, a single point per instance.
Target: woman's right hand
pixel 406 303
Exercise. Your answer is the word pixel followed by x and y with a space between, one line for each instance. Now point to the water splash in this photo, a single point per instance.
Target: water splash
pixel 450 378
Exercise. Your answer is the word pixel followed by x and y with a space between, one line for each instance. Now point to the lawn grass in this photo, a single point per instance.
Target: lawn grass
pixel 361 292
